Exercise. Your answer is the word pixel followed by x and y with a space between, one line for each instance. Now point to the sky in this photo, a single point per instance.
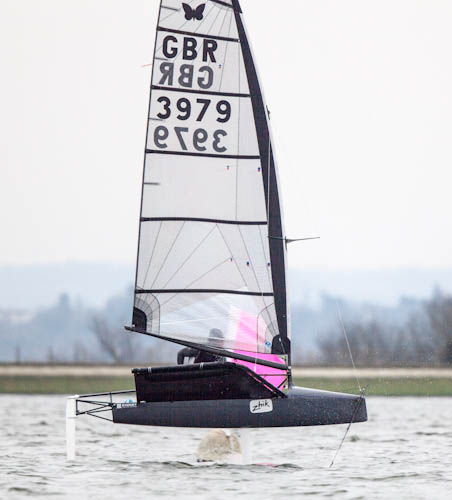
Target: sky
pixel 361 99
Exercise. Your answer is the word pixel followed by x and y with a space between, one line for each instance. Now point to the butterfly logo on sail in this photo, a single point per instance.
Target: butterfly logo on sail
pixel 195 14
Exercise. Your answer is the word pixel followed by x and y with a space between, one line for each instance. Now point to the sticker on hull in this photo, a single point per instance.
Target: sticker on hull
pixel 261 406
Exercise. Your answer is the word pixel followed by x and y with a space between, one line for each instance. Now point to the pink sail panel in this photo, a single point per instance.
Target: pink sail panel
pixel 246 334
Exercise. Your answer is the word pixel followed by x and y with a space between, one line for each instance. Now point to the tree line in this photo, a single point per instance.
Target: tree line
pixel 413 333
pixel 424 340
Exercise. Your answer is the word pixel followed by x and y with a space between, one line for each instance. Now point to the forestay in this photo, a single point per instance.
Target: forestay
pixel 211 258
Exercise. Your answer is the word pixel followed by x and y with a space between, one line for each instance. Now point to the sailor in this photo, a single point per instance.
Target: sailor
pixel 215 339
pixel 280 345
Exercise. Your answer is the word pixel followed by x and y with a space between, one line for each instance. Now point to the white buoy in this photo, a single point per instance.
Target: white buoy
pixel 71 415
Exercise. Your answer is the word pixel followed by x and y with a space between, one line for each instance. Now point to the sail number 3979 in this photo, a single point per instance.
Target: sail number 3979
pixel 183 109
pixel 199 138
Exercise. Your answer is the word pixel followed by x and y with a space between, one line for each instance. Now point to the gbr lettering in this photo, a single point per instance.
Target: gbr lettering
pixel 186 75
pixel 188 64
pixel 190 49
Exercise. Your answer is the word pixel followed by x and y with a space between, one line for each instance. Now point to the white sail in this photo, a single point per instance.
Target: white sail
pixel 211 255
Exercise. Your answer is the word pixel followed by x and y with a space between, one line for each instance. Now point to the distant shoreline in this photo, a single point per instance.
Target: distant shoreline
pixel 80 379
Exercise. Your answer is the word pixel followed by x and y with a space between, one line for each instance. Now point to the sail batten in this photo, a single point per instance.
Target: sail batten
pixel 199 35
pixel 215 221
pixel 220 2
pixel 204 92
pixel 210 202
pixel 203 155
pixel 211 290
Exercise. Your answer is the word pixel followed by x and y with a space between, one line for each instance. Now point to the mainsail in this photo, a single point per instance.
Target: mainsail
pixel 211 253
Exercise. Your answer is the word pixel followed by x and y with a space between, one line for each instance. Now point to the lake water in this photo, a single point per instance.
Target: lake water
pixel 404 451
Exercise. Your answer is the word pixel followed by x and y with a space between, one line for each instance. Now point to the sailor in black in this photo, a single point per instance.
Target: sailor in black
pixel 215 340
pixel 280 345
pixel 186 352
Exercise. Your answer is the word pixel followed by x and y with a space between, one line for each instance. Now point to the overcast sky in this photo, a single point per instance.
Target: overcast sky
pixel 361 100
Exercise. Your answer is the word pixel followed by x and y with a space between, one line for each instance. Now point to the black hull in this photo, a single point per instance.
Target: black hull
pixel 301 407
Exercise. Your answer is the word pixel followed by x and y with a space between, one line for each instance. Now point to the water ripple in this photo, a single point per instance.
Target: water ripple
pixel 388 457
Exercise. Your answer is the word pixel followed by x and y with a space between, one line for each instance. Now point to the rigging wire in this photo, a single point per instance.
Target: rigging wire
pixel 355 371
pixel 358 406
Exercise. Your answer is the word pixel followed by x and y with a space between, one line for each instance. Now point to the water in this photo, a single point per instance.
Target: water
pixel 405 451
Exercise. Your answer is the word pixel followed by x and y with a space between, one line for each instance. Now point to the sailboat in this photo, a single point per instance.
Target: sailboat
pixel 212 257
